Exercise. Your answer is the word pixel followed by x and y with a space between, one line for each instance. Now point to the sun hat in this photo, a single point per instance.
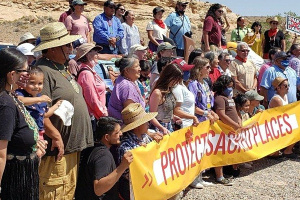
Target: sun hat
pixel 182 64
pixel 277 81
pixel 54 34
pixel 253 95
pixel 134 115
pixel 83 49
pixel 25 37
pixel 272 19
pixel 78 2
pixel 136 47
pixel 26 49
pixel 65 111
pixel 280 54
pixel 157 9
pixel 164 46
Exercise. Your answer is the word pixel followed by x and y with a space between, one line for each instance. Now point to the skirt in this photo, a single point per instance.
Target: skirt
pixel 20 179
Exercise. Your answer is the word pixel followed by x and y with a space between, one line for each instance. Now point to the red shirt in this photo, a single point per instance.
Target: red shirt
pixel 214 30
pixel 214 74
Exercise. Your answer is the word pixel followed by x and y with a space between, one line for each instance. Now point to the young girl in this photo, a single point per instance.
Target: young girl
pixel 242 106
pixel 35 103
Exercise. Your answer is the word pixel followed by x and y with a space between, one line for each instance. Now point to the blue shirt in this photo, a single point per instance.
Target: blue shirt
pixel 174 23
pixel 37 111
pixel 102 31
pixel 274 71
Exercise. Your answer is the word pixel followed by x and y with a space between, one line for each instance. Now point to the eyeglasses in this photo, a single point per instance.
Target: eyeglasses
pixel 22 70
pixel 123 10
pixel 220 11
pixel 69 45
pixel 245 51
pixel 228 60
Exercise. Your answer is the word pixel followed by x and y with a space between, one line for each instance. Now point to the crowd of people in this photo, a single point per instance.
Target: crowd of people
pixel 69 121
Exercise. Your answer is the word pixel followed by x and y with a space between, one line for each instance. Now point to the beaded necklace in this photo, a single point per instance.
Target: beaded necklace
pixel 28 118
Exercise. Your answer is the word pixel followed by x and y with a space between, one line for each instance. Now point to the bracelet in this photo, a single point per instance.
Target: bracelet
pixel 205 113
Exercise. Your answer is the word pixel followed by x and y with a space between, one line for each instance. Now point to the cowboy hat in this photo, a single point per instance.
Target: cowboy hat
pixel 134 115
pixel 54 35
pixel 272 19
pixel 85 48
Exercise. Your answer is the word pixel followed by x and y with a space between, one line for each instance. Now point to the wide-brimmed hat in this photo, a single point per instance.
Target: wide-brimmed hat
pixel 26 49
pixel 54 35
pixel 277 81
pixel 83 49
pixel 136 47
pixel 25 37
pixel 78 2
pixel 182 64
pixel 164 46
pixel 134 115
pixel 272 19
pixel 253 95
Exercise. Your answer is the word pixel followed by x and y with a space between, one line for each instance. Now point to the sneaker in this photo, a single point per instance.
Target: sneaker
pixel 197 184
pixel 206 184
pixel 225 181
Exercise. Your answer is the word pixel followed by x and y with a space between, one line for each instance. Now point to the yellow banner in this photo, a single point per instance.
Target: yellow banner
pixel 160 171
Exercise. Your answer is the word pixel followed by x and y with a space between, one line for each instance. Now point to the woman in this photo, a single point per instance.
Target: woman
pixel 18 133
pixel 273 37
pixel 76 23
pixel 131 33
pixel 204 99
pixel 93 86
pixel 156 29
pixel 214 72
pixel 162 99
pixel 119 12
pixel 254 39
pixel 125 90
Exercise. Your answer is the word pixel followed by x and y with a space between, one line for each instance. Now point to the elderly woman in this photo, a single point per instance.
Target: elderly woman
pixel 125 91
pixel 78 24
pixel 93 86
pixel 131 33
pixel 214 73
pixel 156 29
pixel 18 133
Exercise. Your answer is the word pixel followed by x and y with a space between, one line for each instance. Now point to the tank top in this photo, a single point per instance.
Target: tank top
pixel 284 102
pixel 165 110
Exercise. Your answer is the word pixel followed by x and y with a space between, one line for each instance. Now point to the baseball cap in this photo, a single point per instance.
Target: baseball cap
pixel 253 95
pixel 158 9
pixel 280 54
pixel 78 2
pixel 109 3
pixel 136 47
pixel 182 2
pixel 182 64
pixel 277 81
pixel 164 46
pixel 26 49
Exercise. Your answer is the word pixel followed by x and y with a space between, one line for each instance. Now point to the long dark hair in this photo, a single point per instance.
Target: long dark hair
pixel 221 84
pixel 10 60
pixel 171 72
pixel 240 101
pixel 211 11
pixel 256 23
pixel 118 6
pixel 195 53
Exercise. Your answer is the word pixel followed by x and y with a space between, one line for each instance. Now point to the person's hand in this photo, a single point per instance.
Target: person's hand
pixel 58 143
pixel 195 121
pixel 206 49
pixel 142 41
pixel 45 98
pixel 42 146
pixel 158 137
pixel 112 41
pixel 126 160
pixel 57 104
pixel 164 131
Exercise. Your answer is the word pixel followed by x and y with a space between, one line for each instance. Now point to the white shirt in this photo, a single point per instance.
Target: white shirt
pixel 131 37
pixel 158 32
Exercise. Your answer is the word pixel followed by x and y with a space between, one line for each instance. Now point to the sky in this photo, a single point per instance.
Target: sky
pixel 260 7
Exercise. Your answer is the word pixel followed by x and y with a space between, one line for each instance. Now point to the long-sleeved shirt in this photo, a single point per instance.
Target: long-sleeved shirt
pixel 131 37
pixel 105 28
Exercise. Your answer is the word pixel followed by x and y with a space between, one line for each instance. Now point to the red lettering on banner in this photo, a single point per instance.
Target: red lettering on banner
pixel 172 162
pixel 259 133
pixel 184 143
pixel 164 165
pixel 208 153
pixel 268 132
pixel 237 141
pixel 255 133
pixel 248 139
pixel 285 119
pixel 273 123
pixel 181 171
pixel 220 144
pixel 192 155
pixel 280 126
pixel 229 143
pixel 198 141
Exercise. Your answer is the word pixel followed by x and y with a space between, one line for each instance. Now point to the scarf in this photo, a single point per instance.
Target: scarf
pixel 272 32
pixel 160 23
pixel 241 59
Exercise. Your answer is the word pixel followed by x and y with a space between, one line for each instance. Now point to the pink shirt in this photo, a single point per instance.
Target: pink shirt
pixel 78 26
pixel 93 89
pixel 261 73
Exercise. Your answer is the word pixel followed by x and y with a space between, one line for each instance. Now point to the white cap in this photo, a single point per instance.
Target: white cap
pixel 136 47
pixel 65 111
pixel 26 49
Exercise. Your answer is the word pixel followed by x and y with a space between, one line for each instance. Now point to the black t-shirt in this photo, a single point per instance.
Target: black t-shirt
pixel 273 42
pixel 14 128
pixel 97 162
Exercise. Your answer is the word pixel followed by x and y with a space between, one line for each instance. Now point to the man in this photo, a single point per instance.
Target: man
pixel 108 31
pixel 138 51
pixel 280 68
pixel 224 62
pixel 243 71
pixel 27 38
pixel 179 25
pixel 58 169
pixel 238 34
pixel 98 174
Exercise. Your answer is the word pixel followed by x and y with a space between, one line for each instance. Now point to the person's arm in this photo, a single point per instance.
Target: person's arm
pixel 53 108
pixel 238 85
pixel 207 27
pixel 275 102
pixel 3 149
pixel 124 48
pixel 88 37
pixel 227 120
pixel 33 100
pixel 98 26
pixel 119 31
pixel 106 183
pixel 255 82
pixel 151 38
pixel 182 114
pixel 264 93
pixel 206 41
pixel 283 45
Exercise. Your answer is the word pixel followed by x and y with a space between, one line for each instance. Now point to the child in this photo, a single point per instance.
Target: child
pixel 242 106
pixel 35 103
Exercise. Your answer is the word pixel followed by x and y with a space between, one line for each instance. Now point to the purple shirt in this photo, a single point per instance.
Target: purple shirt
pixel 123 90
pixel 295 64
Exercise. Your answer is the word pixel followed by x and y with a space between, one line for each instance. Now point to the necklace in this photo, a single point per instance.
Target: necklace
pixel 69 77
pixel 28 118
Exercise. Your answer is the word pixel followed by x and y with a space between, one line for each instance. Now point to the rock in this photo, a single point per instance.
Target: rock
pixel 57 8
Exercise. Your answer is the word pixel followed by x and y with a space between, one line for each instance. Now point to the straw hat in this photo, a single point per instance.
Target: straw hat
pixel 134 115
pixel 277 81
pixel 272 19
pixel 25 37
pixel 83 49
pixel 54 35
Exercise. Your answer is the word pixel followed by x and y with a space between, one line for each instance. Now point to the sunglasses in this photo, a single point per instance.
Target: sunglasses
pixel 228 60
pixel 69 45
pixel 245 51
pixel 183 5
pixel 123 10
pixel 275 23
pixel 22 70
pixel 220 11
pixel 207 67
